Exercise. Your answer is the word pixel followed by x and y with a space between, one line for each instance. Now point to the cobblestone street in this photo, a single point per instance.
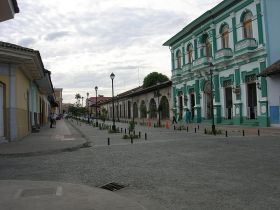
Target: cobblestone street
pixel 172 170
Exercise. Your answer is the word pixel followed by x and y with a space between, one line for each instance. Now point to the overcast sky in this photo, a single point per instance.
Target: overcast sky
pixel 82 41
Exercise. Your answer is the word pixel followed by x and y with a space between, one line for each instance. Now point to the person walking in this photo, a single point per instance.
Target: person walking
pixel 188 116
pixel 51 120
pixel 54 119
pixel 174 120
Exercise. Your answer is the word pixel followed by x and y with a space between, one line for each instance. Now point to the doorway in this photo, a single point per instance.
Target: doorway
pixel 228 103
pixel 192 104
pixel 252 100
pixel 180 107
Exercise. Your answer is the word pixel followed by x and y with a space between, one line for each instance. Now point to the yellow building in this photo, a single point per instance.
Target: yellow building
pixel 25 91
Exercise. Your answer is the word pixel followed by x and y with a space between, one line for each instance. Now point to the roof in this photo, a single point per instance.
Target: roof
pixel 12 53
pixel 138 91
pixel 206 17
pixel 271 70
pixel 100 100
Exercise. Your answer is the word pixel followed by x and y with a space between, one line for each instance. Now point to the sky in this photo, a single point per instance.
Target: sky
pixel 82 42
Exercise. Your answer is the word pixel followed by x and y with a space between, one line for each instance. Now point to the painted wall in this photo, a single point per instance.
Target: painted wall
pixel 22 87
pixel 274 98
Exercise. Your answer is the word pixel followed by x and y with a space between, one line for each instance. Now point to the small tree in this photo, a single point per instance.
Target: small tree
pixel 153 78
pixel 103 114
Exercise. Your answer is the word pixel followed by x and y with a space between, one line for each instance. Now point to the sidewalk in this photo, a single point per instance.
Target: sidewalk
pixel 41 195
pixel 48 140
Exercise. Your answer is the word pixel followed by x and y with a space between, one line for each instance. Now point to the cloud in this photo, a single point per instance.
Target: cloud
pixel 82 42
pixel 56 35
pixel 27 42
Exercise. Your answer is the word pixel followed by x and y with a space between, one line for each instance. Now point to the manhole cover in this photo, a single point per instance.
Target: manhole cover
pixel 112 186
pixel 38 192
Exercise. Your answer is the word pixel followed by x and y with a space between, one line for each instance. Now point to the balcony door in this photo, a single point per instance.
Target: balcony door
pixel 1 110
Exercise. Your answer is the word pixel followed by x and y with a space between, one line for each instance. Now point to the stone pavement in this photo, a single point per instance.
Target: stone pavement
pixel 48 140
pixel 41 195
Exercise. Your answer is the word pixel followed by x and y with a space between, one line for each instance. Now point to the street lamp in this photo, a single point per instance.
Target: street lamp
pixel 212 98
pixel 96 88
pixel 158 95
pixel 87 109
pixel 112 76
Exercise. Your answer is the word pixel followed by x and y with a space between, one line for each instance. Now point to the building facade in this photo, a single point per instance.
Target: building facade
pixel 25 89
pixel 215 62
pixel 58 100
pixel 152 104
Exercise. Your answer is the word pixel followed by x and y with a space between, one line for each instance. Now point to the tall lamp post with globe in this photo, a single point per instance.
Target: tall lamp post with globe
pixel 112 76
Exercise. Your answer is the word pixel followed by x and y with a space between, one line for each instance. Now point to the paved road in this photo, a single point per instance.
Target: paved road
pixel 174 170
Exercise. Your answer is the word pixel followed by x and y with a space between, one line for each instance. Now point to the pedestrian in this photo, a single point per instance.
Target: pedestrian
pixel 174 120
pixel 188 116
pixel 51 120
pixel 54 119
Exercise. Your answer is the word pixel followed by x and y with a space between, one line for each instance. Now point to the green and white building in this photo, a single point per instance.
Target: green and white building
pixel 228 45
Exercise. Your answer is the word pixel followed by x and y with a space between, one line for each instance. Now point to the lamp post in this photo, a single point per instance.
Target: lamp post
pixel 87 109
pixel 212 98
pixel 112 76
pixel 158 95
pixel 96 88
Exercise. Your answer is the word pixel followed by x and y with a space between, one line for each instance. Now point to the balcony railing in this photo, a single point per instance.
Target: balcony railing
pixel 202 61
pixel 246 44
pixel 176 72
pixel 187 67
pixel 224 53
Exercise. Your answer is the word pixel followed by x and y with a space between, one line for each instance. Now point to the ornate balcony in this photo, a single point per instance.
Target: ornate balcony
pixel 177 73
pixel 187 67
pixel 246 45
pixel 203 61
pixel 224 53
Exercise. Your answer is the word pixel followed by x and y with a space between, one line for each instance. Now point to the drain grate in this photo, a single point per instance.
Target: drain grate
pixel 113 186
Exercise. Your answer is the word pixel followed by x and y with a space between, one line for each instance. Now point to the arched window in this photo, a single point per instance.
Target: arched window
pixel 247 25
pixel 178 58
pixel 143 109
pixel 153 108
pixel 164 108
pixel 135 110
pixel 225 36
pixel 208 48
pixel 190 53
pixel 206 51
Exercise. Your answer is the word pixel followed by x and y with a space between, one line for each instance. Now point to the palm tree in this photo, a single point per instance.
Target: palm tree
pixel 78 97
